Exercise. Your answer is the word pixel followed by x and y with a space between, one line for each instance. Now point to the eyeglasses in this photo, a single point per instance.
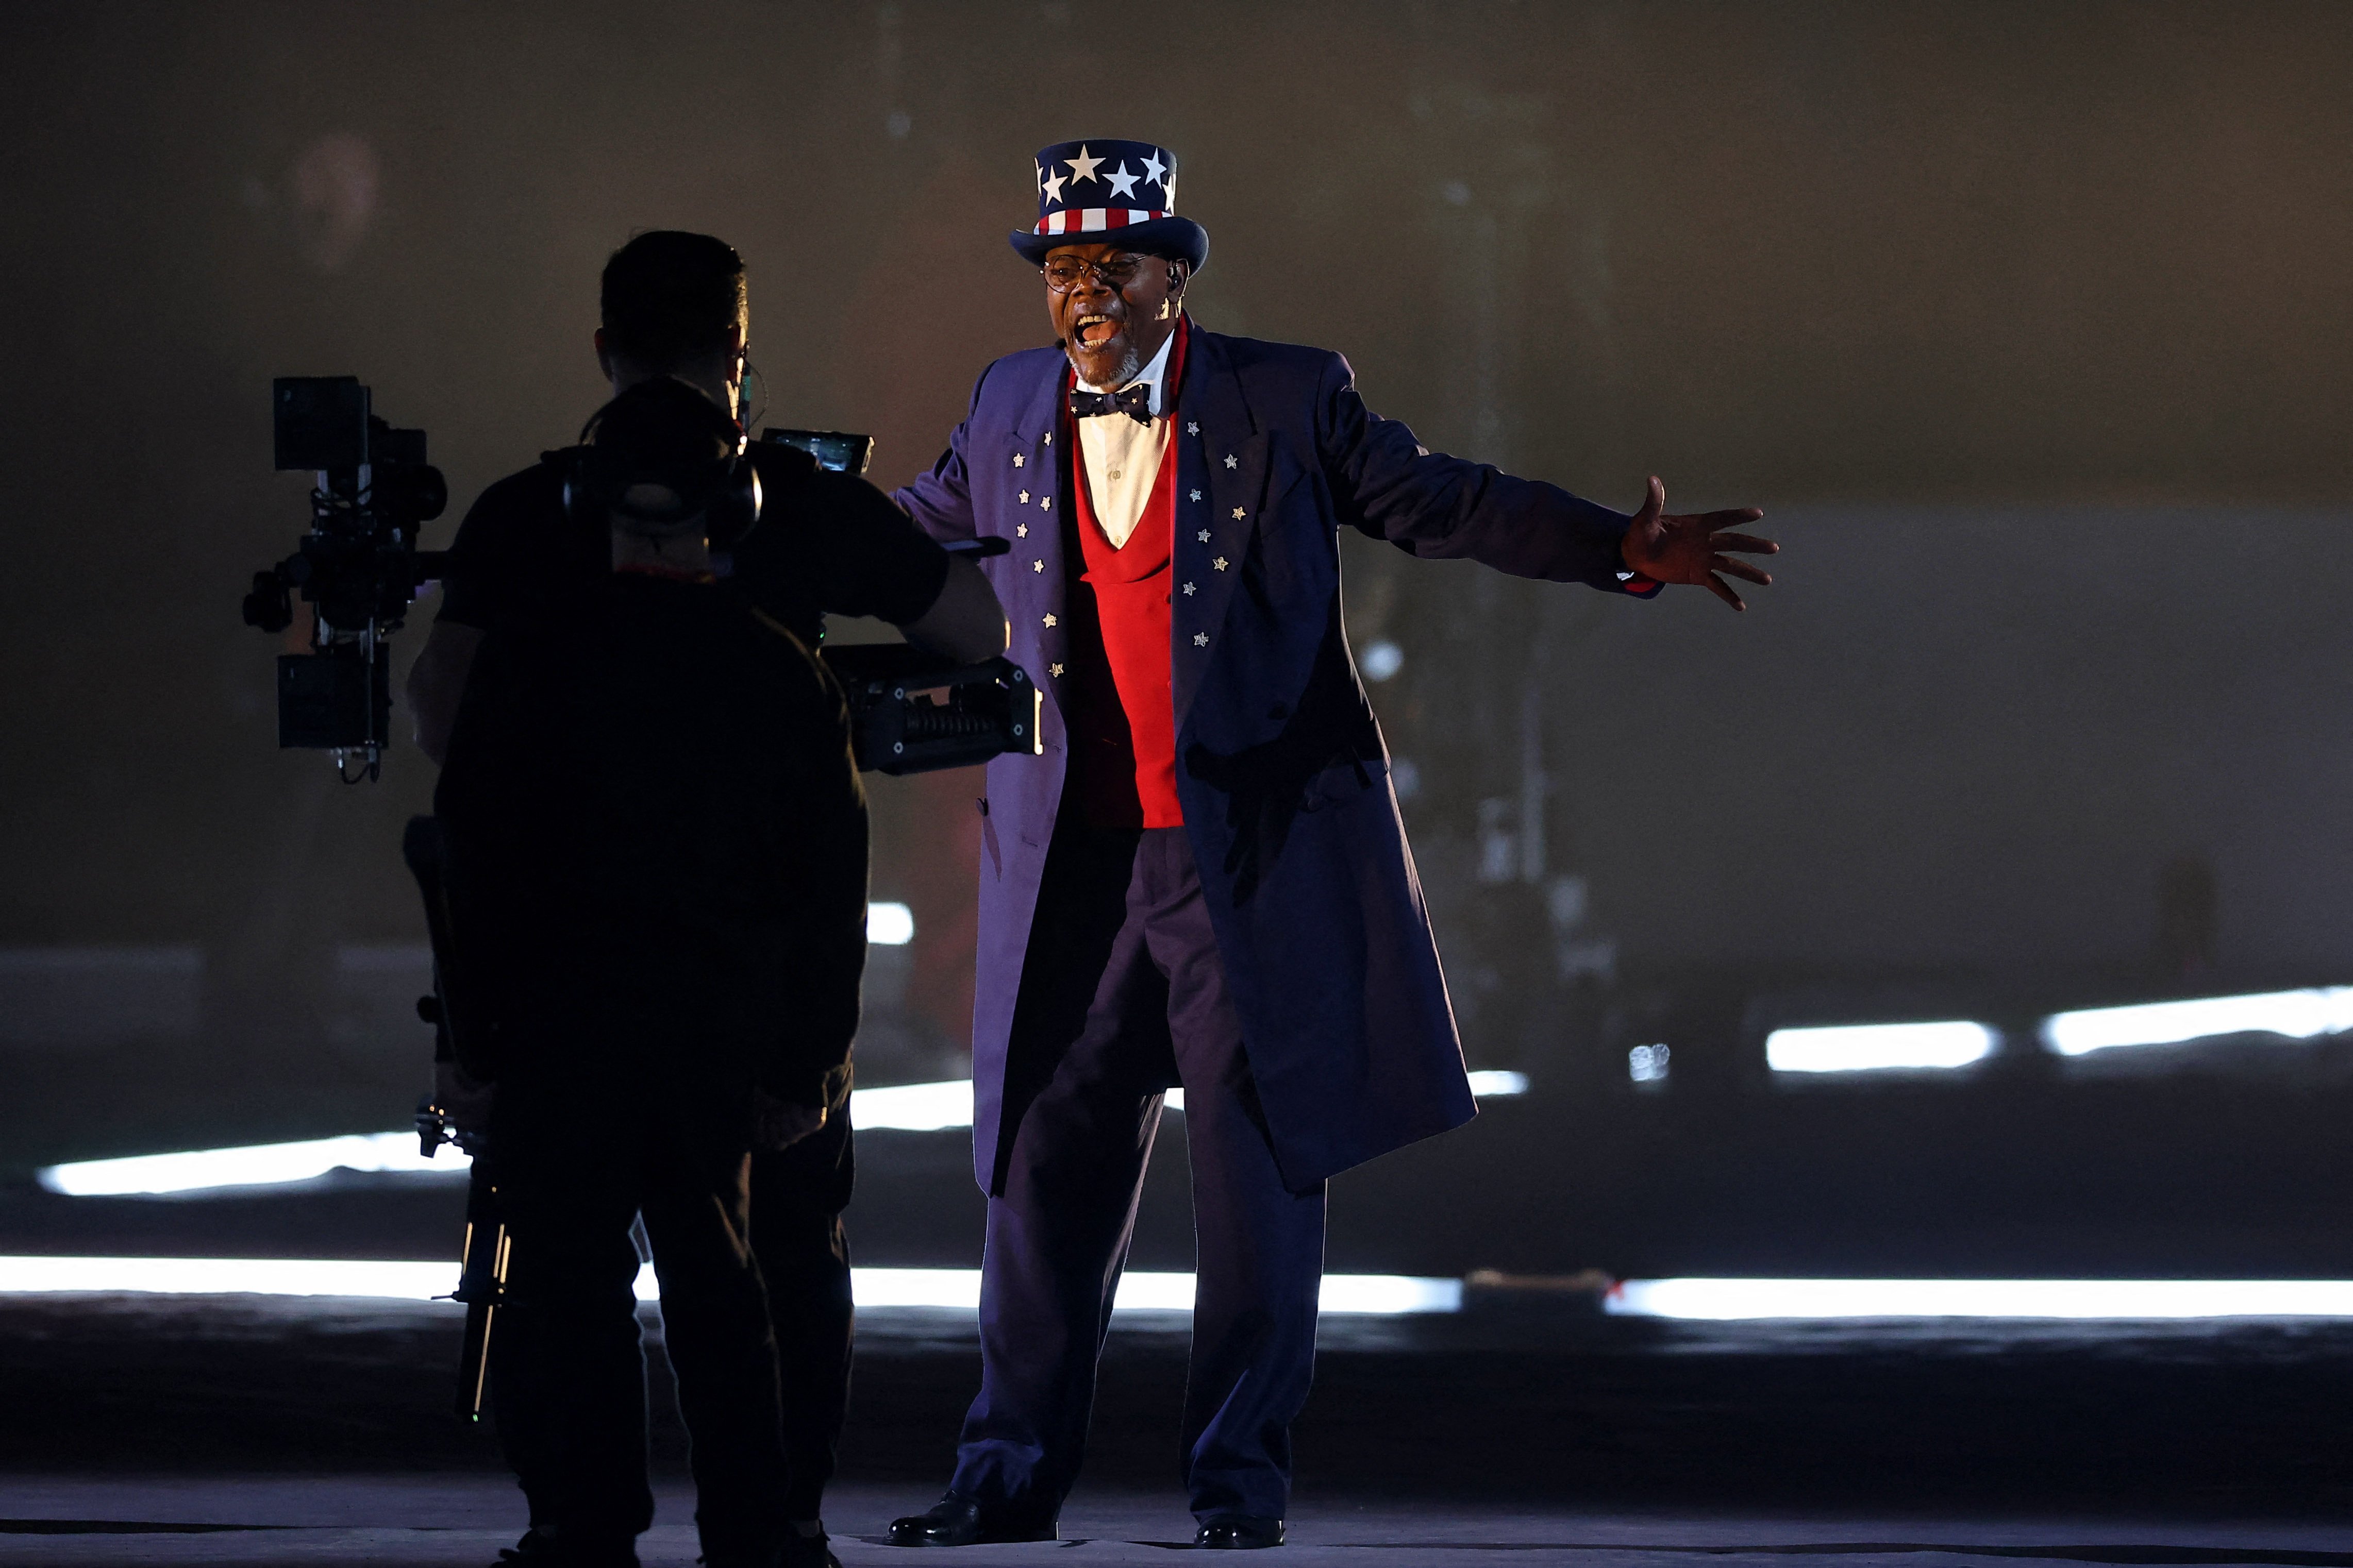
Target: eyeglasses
pixel 1065 273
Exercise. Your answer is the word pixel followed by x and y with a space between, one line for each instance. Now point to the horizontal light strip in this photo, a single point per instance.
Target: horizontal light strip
pixel 2296 1014
pixel 261 1165
pixel 1492 1085
pixel 1486 1084
pixel 912 1106
pixel 900 1108
pixel 1721 1299
pixel 1872 1048
pixel 1379 1295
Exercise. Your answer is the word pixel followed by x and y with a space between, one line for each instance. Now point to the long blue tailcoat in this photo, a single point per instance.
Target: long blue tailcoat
pixel 1281 767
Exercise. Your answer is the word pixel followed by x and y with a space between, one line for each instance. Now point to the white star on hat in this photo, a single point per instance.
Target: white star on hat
pixel 1157 169
pixel 1053 190
pixel 1122 184
pixel 1084 167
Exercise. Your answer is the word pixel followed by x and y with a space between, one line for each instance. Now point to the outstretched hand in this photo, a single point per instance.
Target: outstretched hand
pixel 1668 548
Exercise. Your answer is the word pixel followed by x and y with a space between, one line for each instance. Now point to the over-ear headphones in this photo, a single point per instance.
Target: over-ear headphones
pixel 659 457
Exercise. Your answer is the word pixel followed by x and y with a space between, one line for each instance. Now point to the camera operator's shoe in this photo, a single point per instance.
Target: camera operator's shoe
pixel 539 1549
pixel 960 1520
pixel 1239 1532
pixel 808 1551
pixel 797 1551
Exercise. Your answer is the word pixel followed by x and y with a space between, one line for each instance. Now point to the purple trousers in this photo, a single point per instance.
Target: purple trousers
pixel 1124 997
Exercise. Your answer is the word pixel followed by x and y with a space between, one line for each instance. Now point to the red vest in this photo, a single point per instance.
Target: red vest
pixel 1122 720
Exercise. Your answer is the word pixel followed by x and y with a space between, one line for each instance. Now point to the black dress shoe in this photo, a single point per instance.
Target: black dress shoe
pixel 1239 1532
pixel 959 1521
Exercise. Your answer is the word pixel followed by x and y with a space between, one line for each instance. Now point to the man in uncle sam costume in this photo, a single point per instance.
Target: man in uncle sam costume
pixel 1203 880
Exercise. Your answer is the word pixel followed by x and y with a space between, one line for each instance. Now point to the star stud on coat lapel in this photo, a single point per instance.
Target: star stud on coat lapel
pixel 1023 498
pixel 1049 620
pixel 1201 639
pixel 1231 461
pixel 1238 514
pixel 1018 460
pixel 1220 564
pixel 1203 536
pixel 1021 530
pixel 1197 495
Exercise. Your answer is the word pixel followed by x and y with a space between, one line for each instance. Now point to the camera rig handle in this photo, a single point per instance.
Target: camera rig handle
pixel 911 712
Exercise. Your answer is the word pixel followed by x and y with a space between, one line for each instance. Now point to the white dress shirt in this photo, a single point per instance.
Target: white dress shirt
pixel 1122 456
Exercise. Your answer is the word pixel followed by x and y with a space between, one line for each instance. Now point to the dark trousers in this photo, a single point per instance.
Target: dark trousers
pixel 580 1154
pixel 1124 998
pixel 803 1251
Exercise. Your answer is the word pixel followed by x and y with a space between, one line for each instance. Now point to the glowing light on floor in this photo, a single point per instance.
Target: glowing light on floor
pixel 889 925
pixel 230 1276
pixel 1492 1085
pixel 2294 1015
pixel 1873 1048
pixel 912 1106
pixel 1721 1299
pixel 1486 1084
pixel 898 1108
pixel 261 1165
pixel 1358 1295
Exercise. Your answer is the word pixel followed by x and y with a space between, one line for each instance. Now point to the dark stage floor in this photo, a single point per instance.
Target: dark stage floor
pixel 1538 1433
pixel 411 1521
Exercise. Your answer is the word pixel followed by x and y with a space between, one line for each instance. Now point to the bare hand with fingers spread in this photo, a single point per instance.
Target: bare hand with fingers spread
pixel 1668 547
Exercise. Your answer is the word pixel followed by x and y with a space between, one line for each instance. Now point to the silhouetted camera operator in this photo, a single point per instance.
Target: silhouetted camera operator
pixel 656 848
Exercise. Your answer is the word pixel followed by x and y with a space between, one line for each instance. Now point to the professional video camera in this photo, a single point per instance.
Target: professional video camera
pixel 358 567
pixel 911 712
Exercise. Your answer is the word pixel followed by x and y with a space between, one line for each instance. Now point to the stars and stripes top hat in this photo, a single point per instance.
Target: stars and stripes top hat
pixel 1103 192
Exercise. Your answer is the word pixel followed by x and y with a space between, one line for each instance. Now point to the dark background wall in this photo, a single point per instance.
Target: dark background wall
pixel 2028 324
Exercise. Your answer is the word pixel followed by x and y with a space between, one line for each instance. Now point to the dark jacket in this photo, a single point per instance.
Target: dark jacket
pixel 656 837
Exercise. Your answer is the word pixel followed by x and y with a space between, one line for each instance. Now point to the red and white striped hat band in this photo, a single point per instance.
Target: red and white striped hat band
pixel 1091 220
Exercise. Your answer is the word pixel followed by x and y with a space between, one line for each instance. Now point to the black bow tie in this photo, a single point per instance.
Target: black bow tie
pixel 1135 403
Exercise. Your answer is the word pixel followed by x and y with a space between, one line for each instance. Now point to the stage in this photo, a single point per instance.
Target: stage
pixel 261 1430
pixel 396 1521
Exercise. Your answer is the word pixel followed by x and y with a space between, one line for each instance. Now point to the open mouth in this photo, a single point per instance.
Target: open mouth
pixel 1093 330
